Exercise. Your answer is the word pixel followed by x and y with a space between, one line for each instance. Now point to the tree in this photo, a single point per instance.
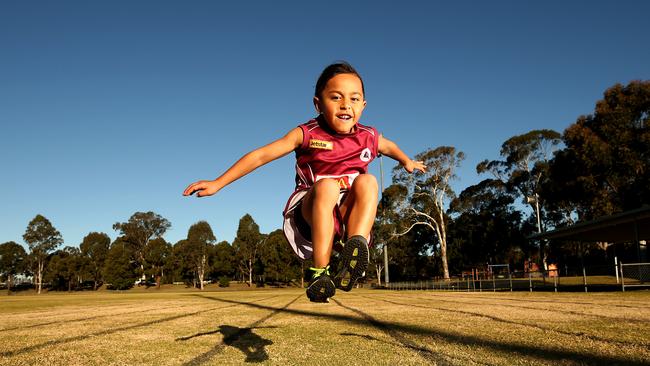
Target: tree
pixel 12 261
pixel 278 260
pixel 42 238
pixel 224 260
pixel 525 165
pixel 200 240
pixel 139 230
pixel 95 248
pixel 487 228
pixel 182 263
pixel 247 244
pixel 119 268
pixel 430 192
pixel 157 254
pixel 377 261
pixel 388 223
pixel 65 268
pixel 605 167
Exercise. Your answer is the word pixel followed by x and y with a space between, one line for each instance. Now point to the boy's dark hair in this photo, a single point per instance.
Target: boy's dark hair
pixel 331 71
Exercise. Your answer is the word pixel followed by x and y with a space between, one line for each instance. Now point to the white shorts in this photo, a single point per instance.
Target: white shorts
pixel 297 230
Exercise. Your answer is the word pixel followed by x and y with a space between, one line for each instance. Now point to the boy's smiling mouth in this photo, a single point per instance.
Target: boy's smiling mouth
pixel 344 117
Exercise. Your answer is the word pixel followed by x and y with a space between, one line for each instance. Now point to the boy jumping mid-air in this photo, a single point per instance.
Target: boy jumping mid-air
pixel 335 199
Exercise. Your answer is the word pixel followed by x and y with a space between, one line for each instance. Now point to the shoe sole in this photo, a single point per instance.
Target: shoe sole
pixel 353 262
pixel 321 290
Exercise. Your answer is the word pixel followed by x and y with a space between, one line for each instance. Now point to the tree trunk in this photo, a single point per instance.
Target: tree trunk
pixel 443 255
pixel 250 273
pixel 378 269
pixel 201 270
pixel 10 279
pixel 41 263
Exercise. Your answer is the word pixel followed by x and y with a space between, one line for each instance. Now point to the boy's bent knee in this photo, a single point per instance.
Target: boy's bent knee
pixel 365 182
pixel 326 188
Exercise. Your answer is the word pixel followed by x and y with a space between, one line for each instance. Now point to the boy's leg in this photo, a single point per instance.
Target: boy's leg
pixel 358 211
pixel 360 206
pixel 316 209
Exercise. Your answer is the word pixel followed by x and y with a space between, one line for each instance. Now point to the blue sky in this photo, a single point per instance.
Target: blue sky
pixel 108 108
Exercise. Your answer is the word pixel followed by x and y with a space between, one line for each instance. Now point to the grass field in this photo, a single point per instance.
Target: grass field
pixel 363 327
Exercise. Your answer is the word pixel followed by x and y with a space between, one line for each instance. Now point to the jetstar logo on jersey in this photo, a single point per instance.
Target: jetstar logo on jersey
pixel 320 144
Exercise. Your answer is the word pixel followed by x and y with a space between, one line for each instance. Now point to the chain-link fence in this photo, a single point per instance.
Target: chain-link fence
pixel 635 275
pixel 566 279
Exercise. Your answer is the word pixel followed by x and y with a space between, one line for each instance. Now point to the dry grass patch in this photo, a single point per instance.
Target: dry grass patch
pixel 362 327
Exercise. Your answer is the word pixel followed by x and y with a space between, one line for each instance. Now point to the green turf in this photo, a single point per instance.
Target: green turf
pixel 363 327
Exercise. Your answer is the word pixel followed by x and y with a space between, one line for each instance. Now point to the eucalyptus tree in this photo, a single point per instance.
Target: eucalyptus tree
pixel 200 245
pixel 119 267
pixel 141 228
pixel 524 166
pixel 388 223
pixel 42 239
pixel 95 248
pixel 247 245
pixel 278 260
pixel 157 254
pixel 66 268
pixel 12 261
pixel 486 226
pixel 224 260
pixel 605 166
pixel 429 193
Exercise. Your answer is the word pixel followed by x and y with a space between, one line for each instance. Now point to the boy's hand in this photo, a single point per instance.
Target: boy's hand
pixel 203 187
pixel 411 166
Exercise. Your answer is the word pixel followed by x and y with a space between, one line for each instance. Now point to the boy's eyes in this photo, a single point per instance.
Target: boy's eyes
pixel 338 97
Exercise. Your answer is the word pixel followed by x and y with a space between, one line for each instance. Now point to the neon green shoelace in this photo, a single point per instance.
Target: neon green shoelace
pixel 319 271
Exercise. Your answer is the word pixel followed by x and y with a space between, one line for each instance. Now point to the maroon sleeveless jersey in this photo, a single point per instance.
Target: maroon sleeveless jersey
pixel 327 154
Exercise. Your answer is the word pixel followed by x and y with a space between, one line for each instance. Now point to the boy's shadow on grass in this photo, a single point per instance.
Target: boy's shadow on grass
pixel 249 343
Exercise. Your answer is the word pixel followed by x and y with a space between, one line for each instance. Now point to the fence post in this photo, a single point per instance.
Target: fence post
pixel 530 281
pixel 555 283
pixel 616 268
pixel 584 277
pixel 622 278
pixel 510 278
pixel 473 280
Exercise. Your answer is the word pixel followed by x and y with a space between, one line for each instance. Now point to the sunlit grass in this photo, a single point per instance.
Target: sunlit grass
pixel 363 327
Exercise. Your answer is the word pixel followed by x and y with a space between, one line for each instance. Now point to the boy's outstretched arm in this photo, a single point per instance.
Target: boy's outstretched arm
pixel 247 164
pixel 390 149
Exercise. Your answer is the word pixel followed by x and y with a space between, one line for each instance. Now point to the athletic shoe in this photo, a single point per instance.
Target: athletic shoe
pixel 354 262
pixel 321 287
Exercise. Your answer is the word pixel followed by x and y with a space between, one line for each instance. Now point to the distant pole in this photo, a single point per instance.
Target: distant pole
pixel 381 179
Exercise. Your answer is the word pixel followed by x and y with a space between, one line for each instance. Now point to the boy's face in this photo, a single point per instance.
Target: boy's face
pixel 341 102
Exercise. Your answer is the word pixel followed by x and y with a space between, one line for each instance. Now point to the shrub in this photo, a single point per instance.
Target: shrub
pixel 224 281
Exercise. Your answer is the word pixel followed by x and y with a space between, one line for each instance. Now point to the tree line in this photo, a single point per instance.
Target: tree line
pixel 543 180
pixel 141 255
